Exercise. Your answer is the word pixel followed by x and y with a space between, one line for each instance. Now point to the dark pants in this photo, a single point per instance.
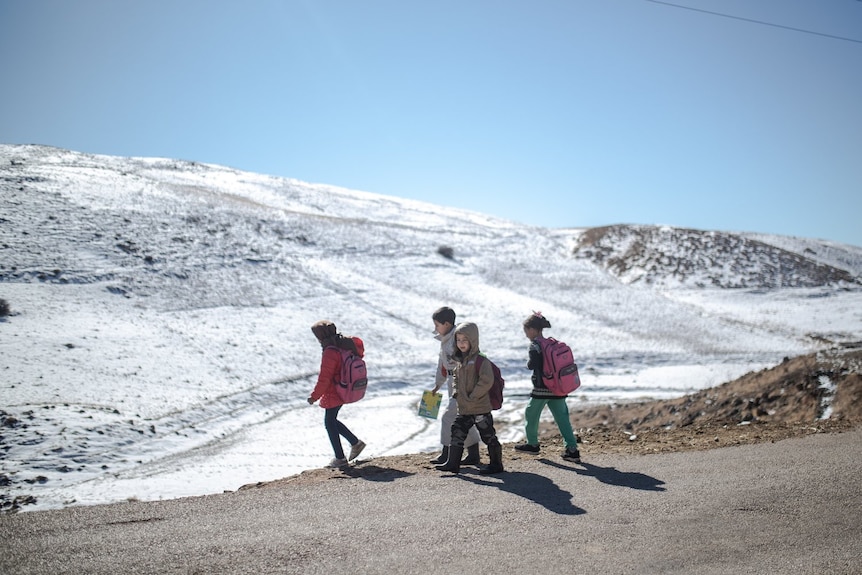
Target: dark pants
pixel 336 429
pixel 484 424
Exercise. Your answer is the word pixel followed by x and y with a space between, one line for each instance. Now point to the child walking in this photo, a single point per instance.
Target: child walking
pixel 330 372
pixel 444 329
pixel 471 386
pixel 542 396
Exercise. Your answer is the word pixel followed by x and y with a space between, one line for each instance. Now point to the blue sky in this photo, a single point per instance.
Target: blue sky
pixel 565 113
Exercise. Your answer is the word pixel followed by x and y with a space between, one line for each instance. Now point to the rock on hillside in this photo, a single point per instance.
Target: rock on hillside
pixel 665 256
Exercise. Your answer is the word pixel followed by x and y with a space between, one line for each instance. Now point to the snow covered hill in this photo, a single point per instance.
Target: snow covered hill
pixel 669 257
pixel 159 340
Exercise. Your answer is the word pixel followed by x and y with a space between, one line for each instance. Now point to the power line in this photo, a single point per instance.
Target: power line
pixel 756 21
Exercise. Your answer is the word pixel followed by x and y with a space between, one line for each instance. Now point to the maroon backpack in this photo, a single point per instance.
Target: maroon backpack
pixel 495 394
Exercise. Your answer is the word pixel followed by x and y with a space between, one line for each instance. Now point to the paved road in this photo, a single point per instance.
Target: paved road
pixel 791 507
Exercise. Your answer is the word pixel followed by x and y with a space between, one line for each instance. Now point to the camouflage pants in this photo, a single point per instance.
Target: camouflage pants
pixel 484 423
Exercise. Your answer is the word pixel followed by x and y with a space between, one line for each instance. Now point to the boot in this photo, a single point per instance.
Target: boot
pixel 495 453
pixel 443 457
pixel 454 463
pixel 472 456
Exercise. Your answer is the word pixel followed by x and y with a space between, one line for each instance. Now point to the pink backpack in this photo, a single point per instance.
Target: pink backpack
pixel 559 370
pixel 354 377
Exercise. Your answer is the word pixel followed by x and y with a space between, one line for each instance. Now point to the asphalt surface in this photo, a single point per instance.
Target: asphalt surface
pixel 793 506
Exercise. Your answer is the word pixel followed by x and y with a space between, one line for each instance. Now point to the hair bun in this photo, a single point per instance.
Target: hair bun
pixel 537 321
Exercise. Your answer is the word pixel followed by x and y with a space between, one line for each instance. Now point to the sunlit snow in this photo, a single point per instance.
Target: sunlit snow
pixel 160 341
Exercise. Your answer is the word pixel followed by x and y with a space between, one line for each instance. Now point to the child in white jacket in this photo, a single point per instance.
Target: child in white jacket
pixel 444 329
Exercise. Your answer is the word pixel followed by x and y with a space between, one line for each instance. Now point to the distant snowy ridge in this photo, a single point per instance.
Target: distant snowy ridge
pixel 667 257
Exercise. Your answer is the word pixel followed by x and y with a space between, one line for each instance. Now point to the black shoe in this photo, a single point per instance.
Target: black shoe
pixel 527 447
pixel 454 463
pixel 472 457
pixel 491 469
pixel 443 457
pixel 495 453
pixel 572 455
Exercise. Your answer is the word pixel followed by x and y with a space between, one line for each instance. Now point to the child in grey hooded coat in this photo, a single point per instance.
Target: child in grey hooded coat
pixel 472 383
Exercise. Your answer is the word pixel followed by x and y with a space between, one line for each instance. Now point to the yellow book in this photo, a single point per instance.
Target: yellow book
pixel 430 405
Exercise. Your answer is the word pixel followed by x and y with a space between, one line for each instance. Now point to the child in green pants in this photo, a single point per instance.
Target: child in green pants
pixel 542 396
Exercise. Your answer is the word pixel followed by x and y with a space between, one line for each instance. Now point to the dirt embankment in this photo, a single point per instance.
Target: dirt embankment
pixel 807 394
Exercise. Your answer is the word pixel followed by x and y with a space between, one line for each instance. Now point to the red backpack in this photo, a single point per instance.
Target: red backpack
pixel 354 376
pixel 559 370
pixel 495 394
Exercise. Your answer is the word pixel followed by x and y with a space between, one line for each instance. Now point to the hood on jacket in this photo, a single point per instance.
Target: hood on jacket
pixel 471 330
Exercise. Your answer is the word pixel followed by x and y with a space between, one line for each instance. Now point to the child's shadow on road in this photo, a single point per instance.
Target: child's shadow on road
pixel 373 473
pixel 612 476
pixel 536 488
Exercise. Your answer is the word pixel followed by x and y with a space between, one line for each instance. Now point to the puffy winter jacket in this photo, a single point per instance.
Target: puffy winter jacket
pixel 471 388
pixel 327 379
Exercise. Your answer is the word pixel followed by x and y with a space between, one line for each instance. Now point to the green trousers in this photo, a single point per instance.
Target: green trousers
pixel 559 410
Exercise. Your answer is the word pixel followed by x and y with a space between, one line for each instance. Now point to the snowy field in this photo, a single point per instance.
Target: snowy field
pixel 160 341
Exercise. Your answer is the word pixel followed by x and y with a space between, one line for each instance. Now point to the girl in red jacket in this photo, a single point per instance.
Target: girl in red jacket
pixel 330 371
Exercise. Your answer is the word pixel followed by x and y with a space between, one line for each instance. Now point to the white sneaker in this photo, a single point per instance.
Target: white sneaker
pixel 336 463
pixel 356 450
